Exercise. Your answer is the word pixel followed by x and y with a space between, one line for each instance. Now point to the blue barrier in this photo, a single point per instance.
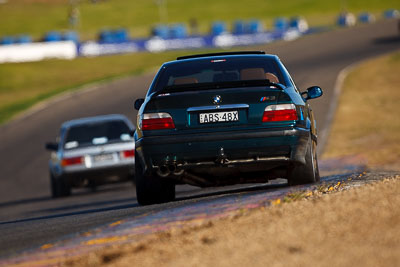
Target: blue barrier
pixel 366 17
pixel 161 31
pixel 120 35
pixel 160 44
pixel 178 31
pixel 113 36
pixel 281 24
pixel 106 36
pixel 7 40
pixel 218 28
pixel 239 27
pixel 52 36
pixel 71 36
pixel 346 19
pixel 254 26
pixel 23 39
pixel 391 13
pixel 176 37
pixel 298 23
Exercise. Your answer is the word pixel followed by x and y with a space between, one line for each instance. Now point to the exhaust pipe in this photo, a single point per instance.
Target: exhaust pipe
pixel 172 168
pixel 178 171
pixel 163 171
pixel 166 170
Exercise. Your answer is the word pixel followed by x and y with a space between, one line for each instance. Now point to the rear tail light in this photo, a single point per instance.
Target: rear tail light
pixel 157 121
pixel 282 112
pixel 72 161
pixel 128 153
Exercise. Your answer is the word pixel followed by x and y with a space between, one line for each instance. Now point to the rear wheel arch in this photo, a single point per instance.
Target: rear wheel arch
pixel 308 172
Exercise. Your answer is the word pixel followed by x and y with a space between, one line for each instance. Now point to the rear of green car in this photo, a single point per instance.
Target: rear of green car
pixel 219 120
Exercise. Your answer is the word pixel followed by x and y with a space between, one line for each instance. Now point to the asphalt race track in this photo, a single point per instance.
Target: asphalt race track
pixel 29 217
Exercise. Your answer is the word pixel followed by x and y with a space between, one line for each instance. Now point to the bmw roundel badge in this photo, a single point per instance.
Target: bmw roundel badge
pixel 217 99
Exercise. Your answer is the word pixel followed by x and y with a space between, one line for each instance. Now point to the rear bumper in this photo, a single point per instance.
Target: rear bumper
pixel 269 148
pixel 99 175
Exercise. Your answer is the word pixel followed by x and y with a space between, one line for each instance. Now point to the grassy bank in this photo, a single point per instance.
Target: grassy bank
pixel 367 120
pixel 24 84
pixel 38 16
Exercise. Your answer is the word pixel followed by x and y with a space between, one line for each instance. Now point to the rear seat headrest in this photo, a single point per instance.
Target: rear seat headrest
pixel 271 77
pixel 185 80
pixel 252 74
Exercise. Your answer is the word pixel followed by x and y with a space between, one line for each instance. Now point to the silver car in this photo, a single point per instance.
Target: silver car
pixel 90 152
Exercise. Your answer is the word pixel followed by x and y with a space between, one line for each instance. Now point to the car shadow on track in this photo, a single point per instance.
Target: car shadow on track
pixel 65 214
pixel 276 184
pixel 193 195
pixel 24 201
pixel 82 201
pixel 39 199
pixel 387 40
pixel 72 208
pixel 221 191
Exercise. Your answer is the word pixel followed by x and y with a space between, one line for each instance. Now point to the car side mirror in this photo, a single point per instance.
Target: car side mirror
pixel 313 92
pixel 138 103
pixel 51 146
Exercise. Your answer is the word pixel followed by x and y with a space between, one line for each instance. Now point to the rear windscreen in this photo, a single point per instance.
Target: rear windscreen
pixel 97 134
pixel 218 70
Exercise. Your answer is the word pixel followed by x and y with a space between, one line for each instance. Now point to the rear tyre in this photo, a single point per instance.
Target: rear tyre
pixel 59 187
pixel 308 173
pixel 152 189
pixel 133 179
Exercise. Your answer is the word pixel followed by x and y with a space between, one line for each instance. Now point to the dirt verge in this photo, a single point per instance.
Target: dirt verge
pixel 366 122
pixel 358 227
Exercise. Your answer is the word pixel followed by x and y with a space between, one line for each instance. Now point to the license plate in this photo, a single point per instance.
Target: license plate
pixel 219 116
pixel 103 157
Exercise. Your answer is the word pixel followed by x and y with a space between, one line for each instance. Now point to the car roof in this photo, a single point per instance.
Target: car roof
pixel 101 118
pixel 191 58
pixel 223 54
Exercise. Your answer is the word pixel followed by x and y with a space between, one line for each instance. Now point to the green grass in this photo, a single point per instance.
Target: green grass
pixel 24 84
pixel 38 16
